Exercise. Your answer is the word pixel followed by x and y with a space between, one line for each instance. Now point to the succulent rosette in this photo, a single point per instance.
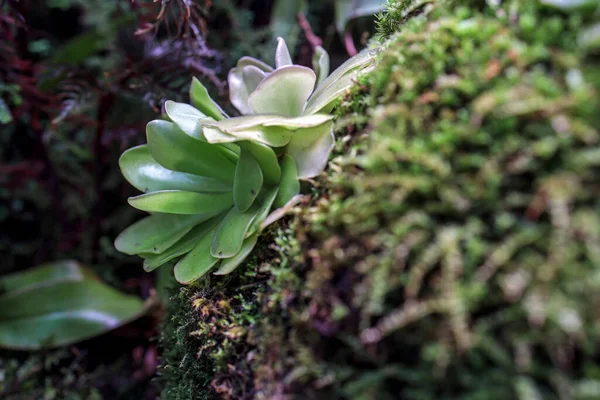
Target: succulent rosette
pixel 210 181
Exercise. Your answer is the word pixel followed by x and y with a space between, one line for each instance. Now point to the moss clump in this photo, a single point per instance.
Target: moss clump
pixel 455 252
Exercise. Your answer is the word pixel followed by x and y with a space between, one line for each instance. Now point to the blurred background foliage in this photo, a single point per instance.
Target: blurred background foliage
pixel 79 79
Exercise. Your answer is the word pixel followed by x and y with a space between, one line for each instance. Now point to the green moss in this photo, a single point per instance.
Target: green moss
pixel 453 249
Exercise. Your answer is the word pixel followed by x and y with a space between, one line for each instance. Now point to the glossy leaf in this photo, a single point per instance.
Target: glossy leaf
pixel 46 313
pixel 186 118
pixel 320 63
pixel 66 270
pixel 228 265
pixel 202 101
pixel 176 151
pixel 267 160
pixel 282 54
pixel 145 174
pixel 198 261
pixel 284 92
pixel 310 149
pixel 183 246
pixel 182 202
pixel 232 231
pixel 156 233
pixel 266 200
pixel 289 186
pixel 248 181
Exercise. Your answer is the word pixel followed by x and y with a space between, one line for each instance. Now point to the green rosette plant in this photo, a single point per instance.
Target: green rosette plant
pixel 210 181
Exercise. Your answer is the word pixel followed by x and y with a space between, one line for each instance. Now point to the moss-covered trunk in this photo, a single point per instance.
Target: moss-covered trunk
pixel 451 249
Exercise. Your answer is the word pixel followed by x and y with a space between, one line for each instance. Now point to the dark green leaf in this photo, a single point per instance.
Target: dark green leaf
pixel 50 313
pixel 248 181
pixel 182 202
pixel 176 151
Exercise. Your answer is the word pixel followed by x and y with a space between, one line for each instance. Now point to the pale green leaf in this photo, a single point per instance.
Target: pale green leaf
pixel 182 202
pixel 310 149
pixel 147 175
pixel 202 101
pixel 289 186
pixel 156 233
pixel 284 92
pixel 248 181
pixel 176 151
pixel 228 265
